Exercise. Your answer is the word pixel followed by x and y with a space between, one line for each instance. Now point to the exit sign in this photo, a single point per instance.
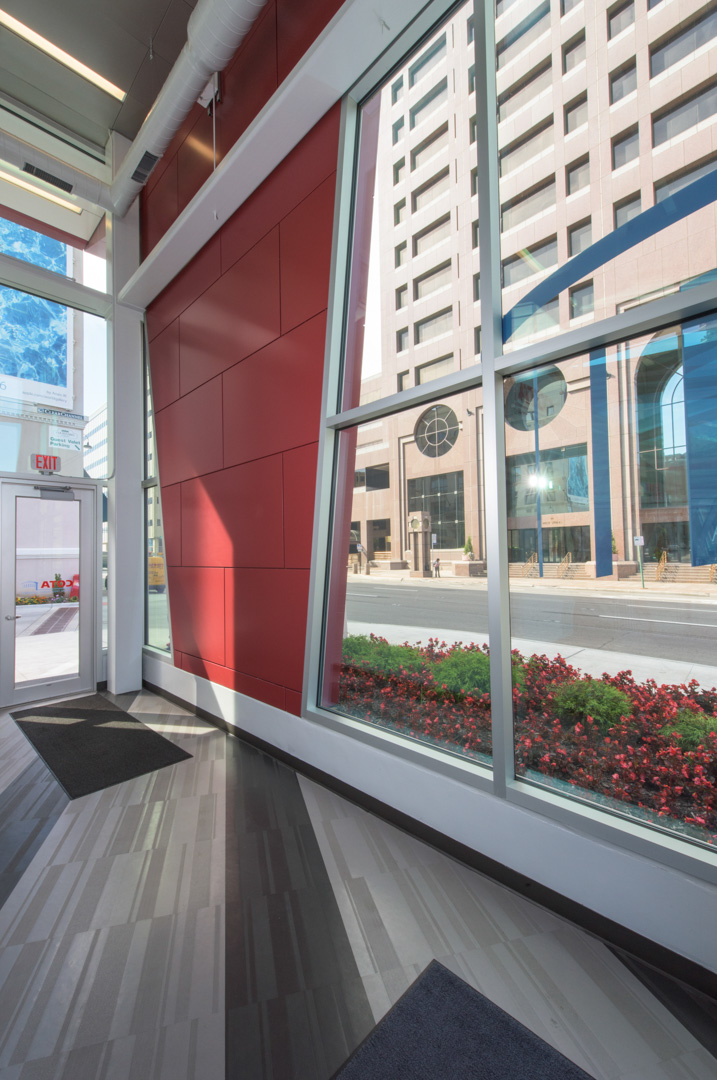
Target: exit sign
pixel 45 462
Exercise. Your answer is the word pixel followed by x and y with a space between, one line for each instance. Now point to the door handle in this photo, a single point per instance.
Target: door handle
pixel 11 618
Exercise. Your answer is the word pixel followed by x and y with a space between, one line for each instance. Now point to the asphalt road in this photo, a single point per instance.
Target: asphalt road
pixel 673 630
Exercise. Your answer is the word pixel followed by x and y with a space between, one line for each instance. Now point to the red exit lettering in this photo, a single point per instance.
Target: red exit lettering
pixel 45 462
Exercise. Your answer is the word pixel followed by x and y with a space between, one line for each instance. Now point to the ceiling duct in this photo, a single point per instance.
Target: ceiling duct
pixel 216 29
pixel 51 170
pixel 49 178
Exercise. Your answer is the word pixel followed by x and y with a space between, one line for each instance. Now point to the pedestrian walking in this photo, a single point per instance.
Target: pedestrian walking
pixel 437 567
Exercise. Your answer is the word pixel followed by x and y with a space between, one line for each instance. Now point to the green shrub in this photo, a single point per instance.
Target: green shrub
pixel 464 671
pixel 377 654
pixel 576 700
pixel 693 728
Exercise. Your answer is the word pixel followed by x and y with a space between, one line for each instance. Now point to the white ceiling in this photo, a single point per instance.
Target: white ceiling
pixel 133 43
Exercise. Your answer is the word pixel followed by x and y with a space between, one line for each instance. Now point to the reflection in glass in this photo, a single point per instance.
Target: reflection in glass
pixel 415 249
pixel 47 589
pixel 635 133
pixel 157 605
pixel 614 700
pixel 402 650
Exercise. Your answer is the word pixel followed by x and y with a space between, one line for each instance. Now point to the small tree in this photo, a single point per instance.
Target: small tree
pixel 468 549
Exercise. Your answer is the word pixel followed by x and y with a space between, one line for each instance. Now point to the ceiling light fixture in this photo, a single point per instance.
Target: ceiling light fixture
pixel 38 191
pixel 59 54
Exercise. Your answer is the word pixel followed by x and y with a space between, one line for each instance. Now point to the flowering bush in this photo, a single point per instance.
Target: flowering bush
pixel 653 747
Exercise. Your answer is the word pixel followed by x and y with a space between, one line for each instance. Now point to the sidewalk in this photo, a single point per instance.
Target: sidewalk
pixel 653 590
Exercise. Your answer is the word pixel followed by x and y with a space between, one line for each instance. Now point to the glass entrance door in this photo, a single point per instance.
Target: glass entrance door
pixel 47 591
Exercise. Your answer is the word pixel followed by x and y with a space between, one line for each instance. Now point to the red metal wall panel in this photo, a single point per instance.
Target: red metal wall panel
pixel 237 435
pixel 237 351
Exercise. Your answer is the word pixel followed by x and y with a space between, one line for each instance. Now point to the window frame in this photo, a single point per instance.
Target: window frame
pixel 493 366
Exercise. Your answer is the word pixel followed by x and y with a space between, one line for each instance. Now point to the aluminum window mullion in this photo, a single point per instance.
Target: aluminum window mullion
pixel 494 433
pixel 467 379
pixel 642 319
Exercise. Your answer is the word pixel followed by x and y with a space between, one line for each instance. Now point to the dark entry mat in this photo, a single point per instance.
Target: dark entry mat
pixel 90 744
pixel 442 1028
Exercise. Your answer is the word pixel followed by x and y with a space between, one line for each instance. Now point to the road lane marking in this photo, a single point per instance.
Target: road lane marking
pixel 661 622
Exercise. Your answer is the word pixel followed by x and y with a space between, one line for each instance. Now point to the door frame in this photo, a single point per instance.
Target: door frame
pixel 90 644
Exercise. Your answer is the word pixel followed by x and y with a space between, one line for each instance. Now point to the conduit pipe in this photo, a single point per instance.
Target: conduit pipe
pixel 215 30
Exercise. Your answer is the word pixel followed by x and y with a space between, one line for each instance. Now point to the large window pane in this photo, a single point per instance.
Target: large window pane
pixel 157 608
pixel 86 266
pixel 433 244
pixel 53 386
pixel 638 113
pixel 403 650
pixel 609 473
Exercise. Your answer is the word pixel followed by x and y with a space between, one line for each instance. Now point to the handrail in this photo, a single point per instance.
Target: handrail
pixel 527 566
pixel 565 564
pixel 661 566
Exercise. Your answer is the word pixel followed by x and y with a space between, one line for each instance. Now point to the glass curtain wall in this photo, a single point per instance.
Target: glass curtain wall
pixel 156 625
pixel 468 424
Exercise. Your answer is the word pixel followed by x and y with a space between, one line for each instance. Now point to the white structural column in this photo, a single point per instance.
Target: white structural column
pixel 125 397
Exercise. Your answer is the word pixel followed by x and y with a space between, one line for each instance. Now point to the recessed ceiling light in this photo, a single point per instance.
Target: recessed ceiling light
pixel 38 191
pixel 59 54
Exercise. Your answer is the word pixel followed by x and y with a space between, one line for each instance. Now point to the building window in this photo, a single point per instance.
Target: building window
pixel 619 18
pixel 627 209
pixel 623 82
pixel 476 288
pixel 401 254
pixel 625 148
pixel 576 114
pixel 528 205
pixel 670 185
pixel 524 34
pixel 679 45
pixel 673 121
pixel 472 130
pixel 475 234
pixel 397 130
pixel 525 90
pixel 402 339
pixel 433 280
pixel 433 234
pixel 580 237
pixel 398 170
pixel 429 103
pixel 474 181
pixel 434 144
pixel 476 341
pixel 399 212
pixel 577 175
pixel 472 79
pixel 437 431
pixel 434 370
pixel 397 90
pixel 531 261
pixel 401 296
pixel 581 300
pixel 470 29
pixel 528 146
pixel 403 380
pixel 433 326
pixel 568 5
pixel 427 60
pixel 573 53
pixel 431 190
pixel 441 497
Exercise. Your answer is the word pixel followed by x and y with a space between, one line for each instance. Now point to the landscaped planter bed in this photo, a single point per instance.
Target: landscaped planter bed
pixel 648 745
